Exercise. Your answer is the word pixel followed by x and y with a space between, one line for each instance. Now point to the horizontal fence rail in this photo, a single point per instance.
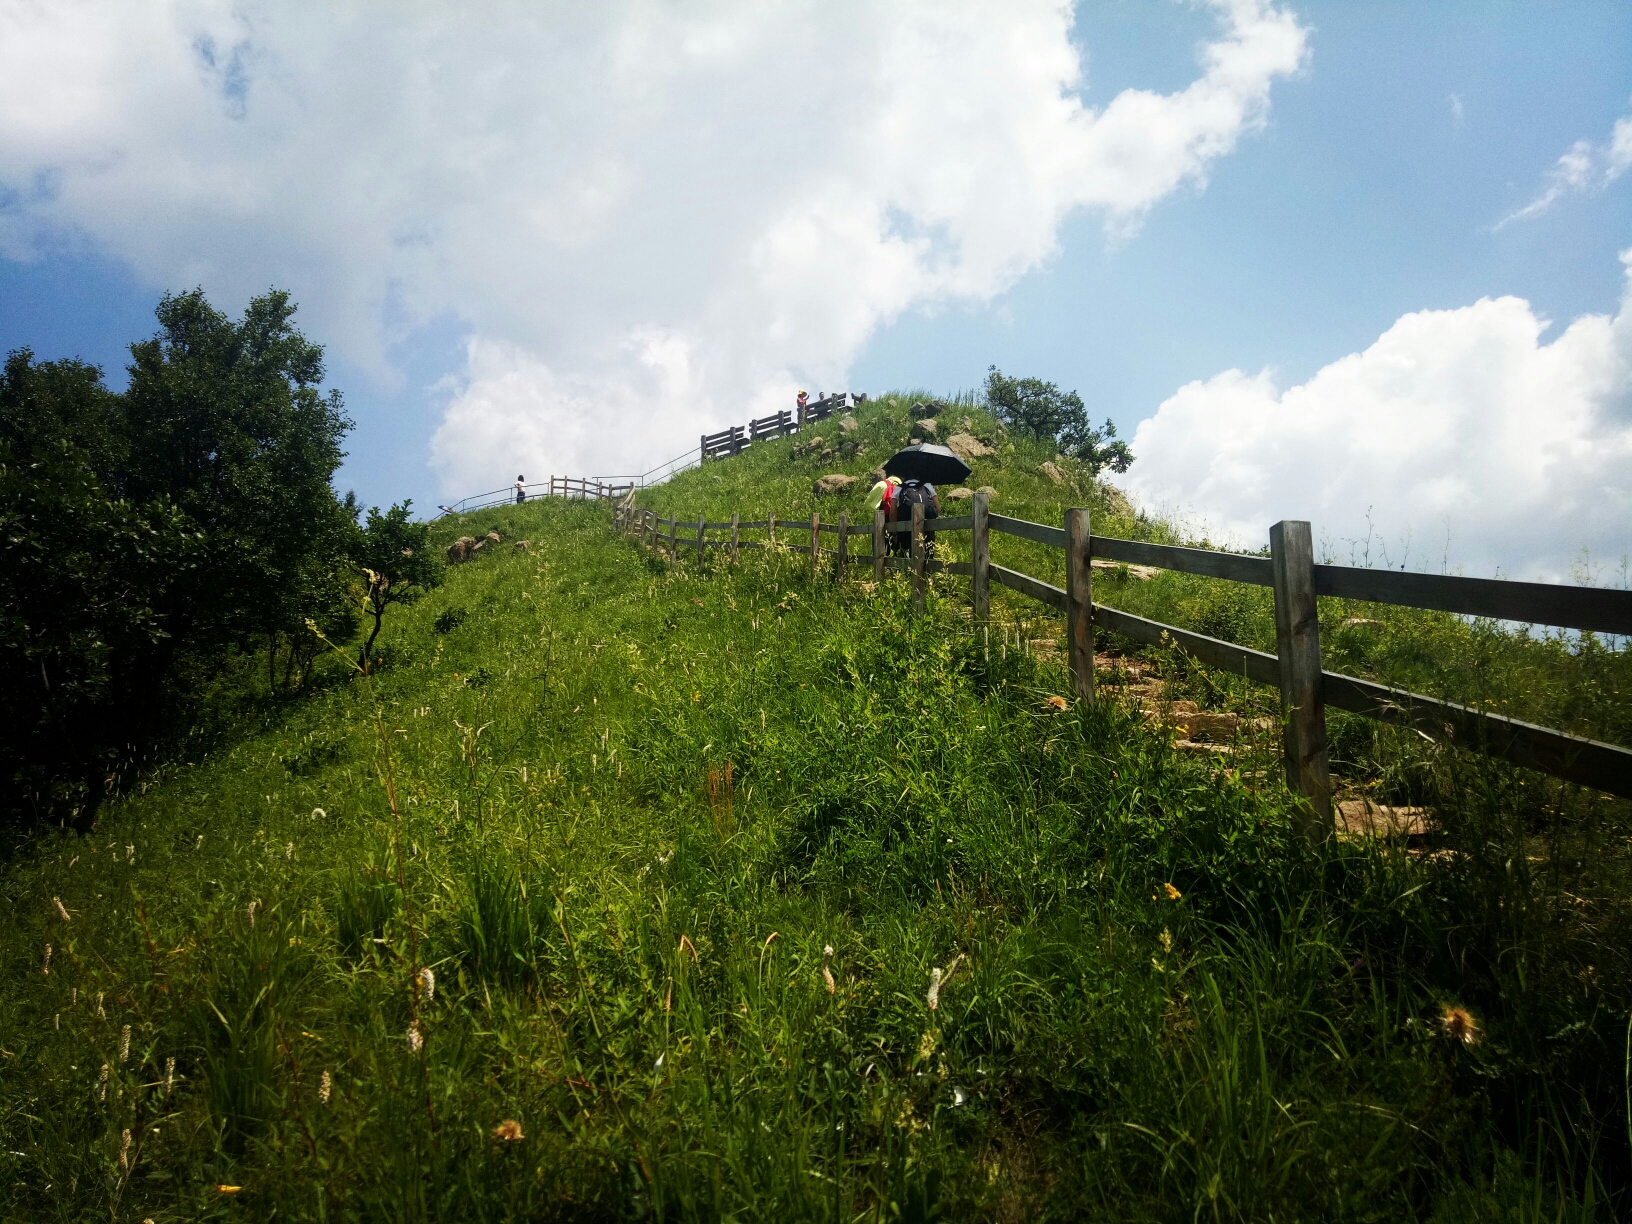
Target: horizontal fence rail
pixel 1289 571
pixel 721 444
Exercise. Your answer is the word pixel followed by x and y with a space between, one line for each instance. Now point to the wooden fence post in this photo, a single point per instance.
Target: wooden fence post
pixel 1297 643
pixel 701 529
pixel 1079 604
pixel 733 538
pixel 674 540
pixel 918 558
pixel 815 544
pixel 878 544
pixel 844 548
pixel 981 550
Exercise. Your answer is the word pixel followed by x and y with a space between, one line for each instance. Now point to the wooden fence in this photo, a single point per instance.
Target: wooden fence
pixel 731 441
pixel 1295 668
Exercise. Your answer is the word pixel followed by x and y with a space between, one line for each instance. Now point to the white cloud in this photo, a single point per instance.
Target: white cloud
pixel 1462 436
pixel 652 218
pixel 1583 167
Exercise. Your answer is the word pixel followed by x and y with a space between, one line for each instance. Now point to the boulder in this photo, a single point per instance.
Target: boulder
pixel 1115 501
pixel 927 408
pixel 524 545
pixel 960 494
pixel 1055 473
pixel 460 550
pixel 833 484
pixel 925 429
pixel 493 536
pixel 849 424
pixel 988 490
pixel 968 447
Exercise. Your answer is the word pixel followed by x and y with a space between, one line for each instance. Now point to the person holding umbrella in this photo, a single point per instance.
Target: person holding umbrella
pixel 915 470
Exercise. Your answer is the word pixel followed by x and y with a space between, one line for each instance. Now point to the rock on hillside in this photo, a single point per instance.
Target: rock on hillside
pixel 968 447
pixel 833 484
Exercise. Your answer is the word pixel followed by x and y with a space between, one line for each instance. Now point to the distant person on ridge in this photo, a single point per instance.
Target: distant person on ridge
pixel 803 401
pixel 521 489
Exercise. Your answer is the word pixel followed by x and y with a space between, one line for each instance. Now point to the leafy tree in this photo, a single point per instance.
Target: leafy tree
pixel 146 537
pixel 394 555
pixel 226 420
pixel 84 575
pixel 1042 411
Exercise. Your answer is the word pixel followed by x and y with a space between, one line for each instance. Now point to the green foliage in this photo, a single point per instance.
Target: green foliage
pixel 1042 411
pixel 150 539
pixel 620 809
pixel 391 551
pixel 623 855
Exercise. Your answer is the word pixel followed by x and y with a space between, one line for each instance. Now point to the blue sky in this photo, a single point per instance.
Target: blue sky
pixel 1368 187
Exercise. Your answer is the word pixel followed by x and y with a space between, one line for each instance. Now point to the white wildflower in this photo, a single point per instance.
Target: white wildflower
pixel 827 974
pixel 124 1149
pixel 427 984
pixel 325 1088
pixel 416 1037
pixel 100 1014
pixel 61 908
pixel 124 1044
pixel 937 979
pixel 45 965
pixel 102 1083
pixel 251 913
pixel 169 1075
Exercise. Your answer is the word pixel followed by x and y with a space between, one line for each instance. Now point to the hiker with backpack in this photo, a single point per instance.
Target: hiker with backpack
pixel 897 497
pixel 908 481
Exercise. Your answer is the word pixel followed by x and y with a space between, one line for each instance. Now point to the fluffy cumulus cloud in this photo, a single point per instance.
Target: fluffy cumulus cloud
pixel 650 218
pixel 1472 442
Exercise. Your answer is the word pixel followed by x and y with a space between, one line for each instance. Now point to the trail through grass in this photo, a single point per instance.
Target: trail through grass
pixel 684 851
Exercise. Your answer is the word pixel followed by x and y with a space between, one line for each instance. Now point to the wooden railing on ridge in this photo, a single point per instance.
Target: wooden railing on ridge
pixel 1295 668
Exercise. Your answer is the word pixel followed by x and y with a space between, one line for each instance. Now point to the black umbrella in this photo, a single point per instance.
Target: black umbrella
pixel 926 462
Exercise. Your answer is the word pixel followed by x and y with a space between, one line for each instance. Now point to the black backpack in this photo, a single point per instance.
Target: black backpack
pixel 913 493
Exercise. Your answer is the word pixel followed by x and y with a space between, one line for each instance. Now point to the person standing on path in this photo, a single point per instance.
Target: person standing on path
pixel 521 489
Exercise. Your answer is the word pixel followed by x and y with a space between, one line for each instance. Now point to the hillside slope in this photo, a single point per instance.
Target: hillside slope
pixel 621 812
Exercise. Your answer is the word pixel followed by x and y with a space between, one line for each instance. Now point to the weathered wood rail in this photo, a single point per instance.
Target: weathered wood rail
pixel 1294 669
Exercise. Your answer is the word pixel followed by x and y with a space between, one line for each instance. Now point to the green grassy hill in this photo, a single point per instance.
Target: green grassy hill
pixel 620 812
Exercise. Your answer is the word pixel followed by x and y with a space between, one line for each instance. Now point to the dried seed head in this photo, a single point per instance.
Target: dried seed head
pixel 827 973
pixel 124 1044
pixel 1458 1024
pixel 100 1014
pixel 102 1083
pixel 325 1088
pixel 169 1075
pixel 251 913
pixel 427 984
pixel 61 908
pixel 45 965
pixel 124 1149
pixel 934 989
pixel 1058 703
pixel 416 1037
pixel 508 1131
